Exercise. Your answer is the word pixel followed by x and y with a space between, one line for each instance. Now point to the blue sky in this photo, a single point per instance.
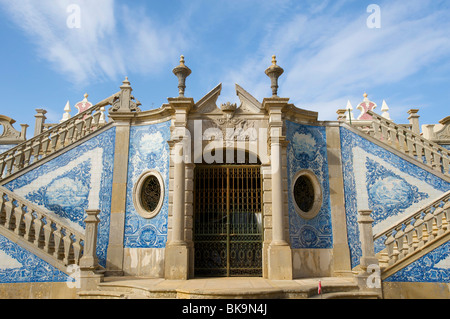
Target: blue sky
pixel 326 48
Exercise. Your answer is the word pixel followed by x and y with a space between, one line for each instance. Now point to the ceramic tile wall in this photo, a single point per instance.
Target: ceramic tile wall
pixel 307 150
pixel 376 179
pixel 149 150
pixel 67 185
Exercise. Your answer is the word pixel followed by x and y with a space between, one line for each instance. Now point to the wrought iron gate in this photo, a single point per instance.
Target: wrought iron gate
pixel 228 221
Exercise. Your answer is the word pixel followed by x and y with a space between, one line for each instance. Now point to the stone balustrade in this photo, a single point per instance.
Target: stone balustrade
pixel 416 230
pixel 52 140
pixel 402 138
pixel 42 231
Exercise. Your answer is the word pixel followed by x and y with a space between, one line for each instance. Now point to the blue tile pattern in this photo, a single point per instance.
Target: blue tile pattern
pixel 27 267
pixel 308 150
pixel 149 150
pixel 377 179
pixel 433 267
pixel 78 179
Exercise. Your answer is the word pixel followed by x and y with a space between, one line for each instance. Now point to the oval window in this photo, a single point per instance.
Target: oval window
pixel 148 194
pixel 307 194
pixel 304 193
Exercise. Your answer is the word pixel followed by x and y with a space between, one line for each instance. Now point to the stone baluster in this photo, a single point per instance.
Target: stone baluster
pixel 428 152
pixel 19 212
pixel 27 154
pixel 2 165
pixel 48 232
pixel 38 229
pixel 400 240
pixel 36 148
pixel 77 250
pixel 376 129
pixel 409 144
pixel 438 215
pixel 446 164
pixel 428 221
pixel 28 221
pixel 9 164
pixel 419 149
pixel 9 212
pixel 409 236
pixel 446 209
pixel 71 133
pixel 67 242
pixel 3 201
pixel 57 238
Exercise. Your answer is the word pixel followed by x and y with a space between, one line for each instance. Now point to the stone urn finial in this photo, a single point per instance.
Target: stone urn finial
pixel 182 72
pixel 273 72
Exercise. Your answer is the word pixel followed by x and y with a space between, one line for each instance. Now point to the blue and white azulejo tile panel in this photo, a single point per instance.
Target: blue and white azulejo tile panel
pixel 390 186
pixel 307 150
pixel 73 182
pixel 149 150
pixel 18 265
pixel 433 267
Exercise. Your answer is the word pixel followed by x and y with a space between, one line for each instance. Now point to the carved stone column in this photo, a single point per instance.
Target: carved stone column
pixel 177 251
pixel 279 252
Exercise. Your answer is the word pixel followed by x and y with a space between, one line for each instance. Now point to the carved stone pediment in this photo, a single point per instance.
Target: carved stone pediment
pixel 444 133
pixel 249 104
pixel 8 134
pixel 207 104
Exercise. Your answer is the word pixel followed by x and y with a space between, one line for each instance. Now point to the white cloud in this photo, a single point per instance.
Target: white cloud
pixel 111 41
pixel 332 55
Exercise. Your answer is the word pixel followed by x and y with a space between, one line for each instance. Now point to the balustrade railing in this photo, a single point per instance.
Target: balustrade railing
pixel 416 230
pixel 41 228
pixel 406 141
pixel 52 140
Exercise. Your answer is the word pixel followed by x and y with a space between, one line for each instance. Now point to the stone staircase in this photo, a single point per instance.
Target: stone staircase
pixel 43 233
pixel 57 138
pixel 404 140
pixel 414 236
pixel 40 231
pixel 227 288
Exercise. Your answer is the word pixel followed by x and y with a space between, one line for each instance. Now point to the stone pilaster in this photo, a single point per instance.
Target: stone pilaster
pixel 279 256
pixel 121 113
pixel 178 252
pixel 341 251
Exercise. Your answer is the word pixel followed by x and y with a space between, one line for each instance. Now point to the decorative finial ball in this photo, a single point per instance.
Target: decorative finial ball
pixel 182 59
pixel 86 95
pixel 365 95
pixel 274 59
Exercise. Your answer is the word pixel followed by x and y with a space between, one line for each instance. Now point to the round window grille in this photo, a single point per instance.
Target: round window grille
pixel 148 194
pixel 307 194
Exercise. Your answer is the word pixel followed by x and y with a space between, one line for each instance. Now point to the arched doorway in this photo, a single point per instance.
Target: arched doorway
pixel 228 221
